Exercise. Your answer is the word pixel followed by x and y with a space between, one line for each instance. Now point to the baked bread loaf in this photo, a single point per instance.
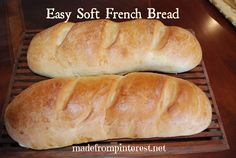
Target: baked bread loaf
pixel 105 47
pixel 64 111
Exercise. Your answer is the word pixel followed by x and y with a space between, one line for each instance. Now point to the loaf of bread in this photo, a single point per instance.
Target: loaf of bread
pixel 105 47
pixel 64 111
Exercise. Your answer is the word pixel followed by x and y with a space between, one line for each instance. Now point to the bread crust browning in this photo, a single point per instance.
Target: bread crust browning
pixel 106 47
pixel 64 111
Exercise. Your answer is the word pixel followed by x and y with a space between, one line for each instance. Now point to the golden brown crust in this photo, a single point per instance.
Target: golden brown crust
pixel 65 111
pixel 105 47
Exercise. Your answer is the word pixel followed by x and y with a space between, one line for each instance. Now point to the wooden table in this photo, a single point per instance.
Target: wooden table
pixel 216 35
